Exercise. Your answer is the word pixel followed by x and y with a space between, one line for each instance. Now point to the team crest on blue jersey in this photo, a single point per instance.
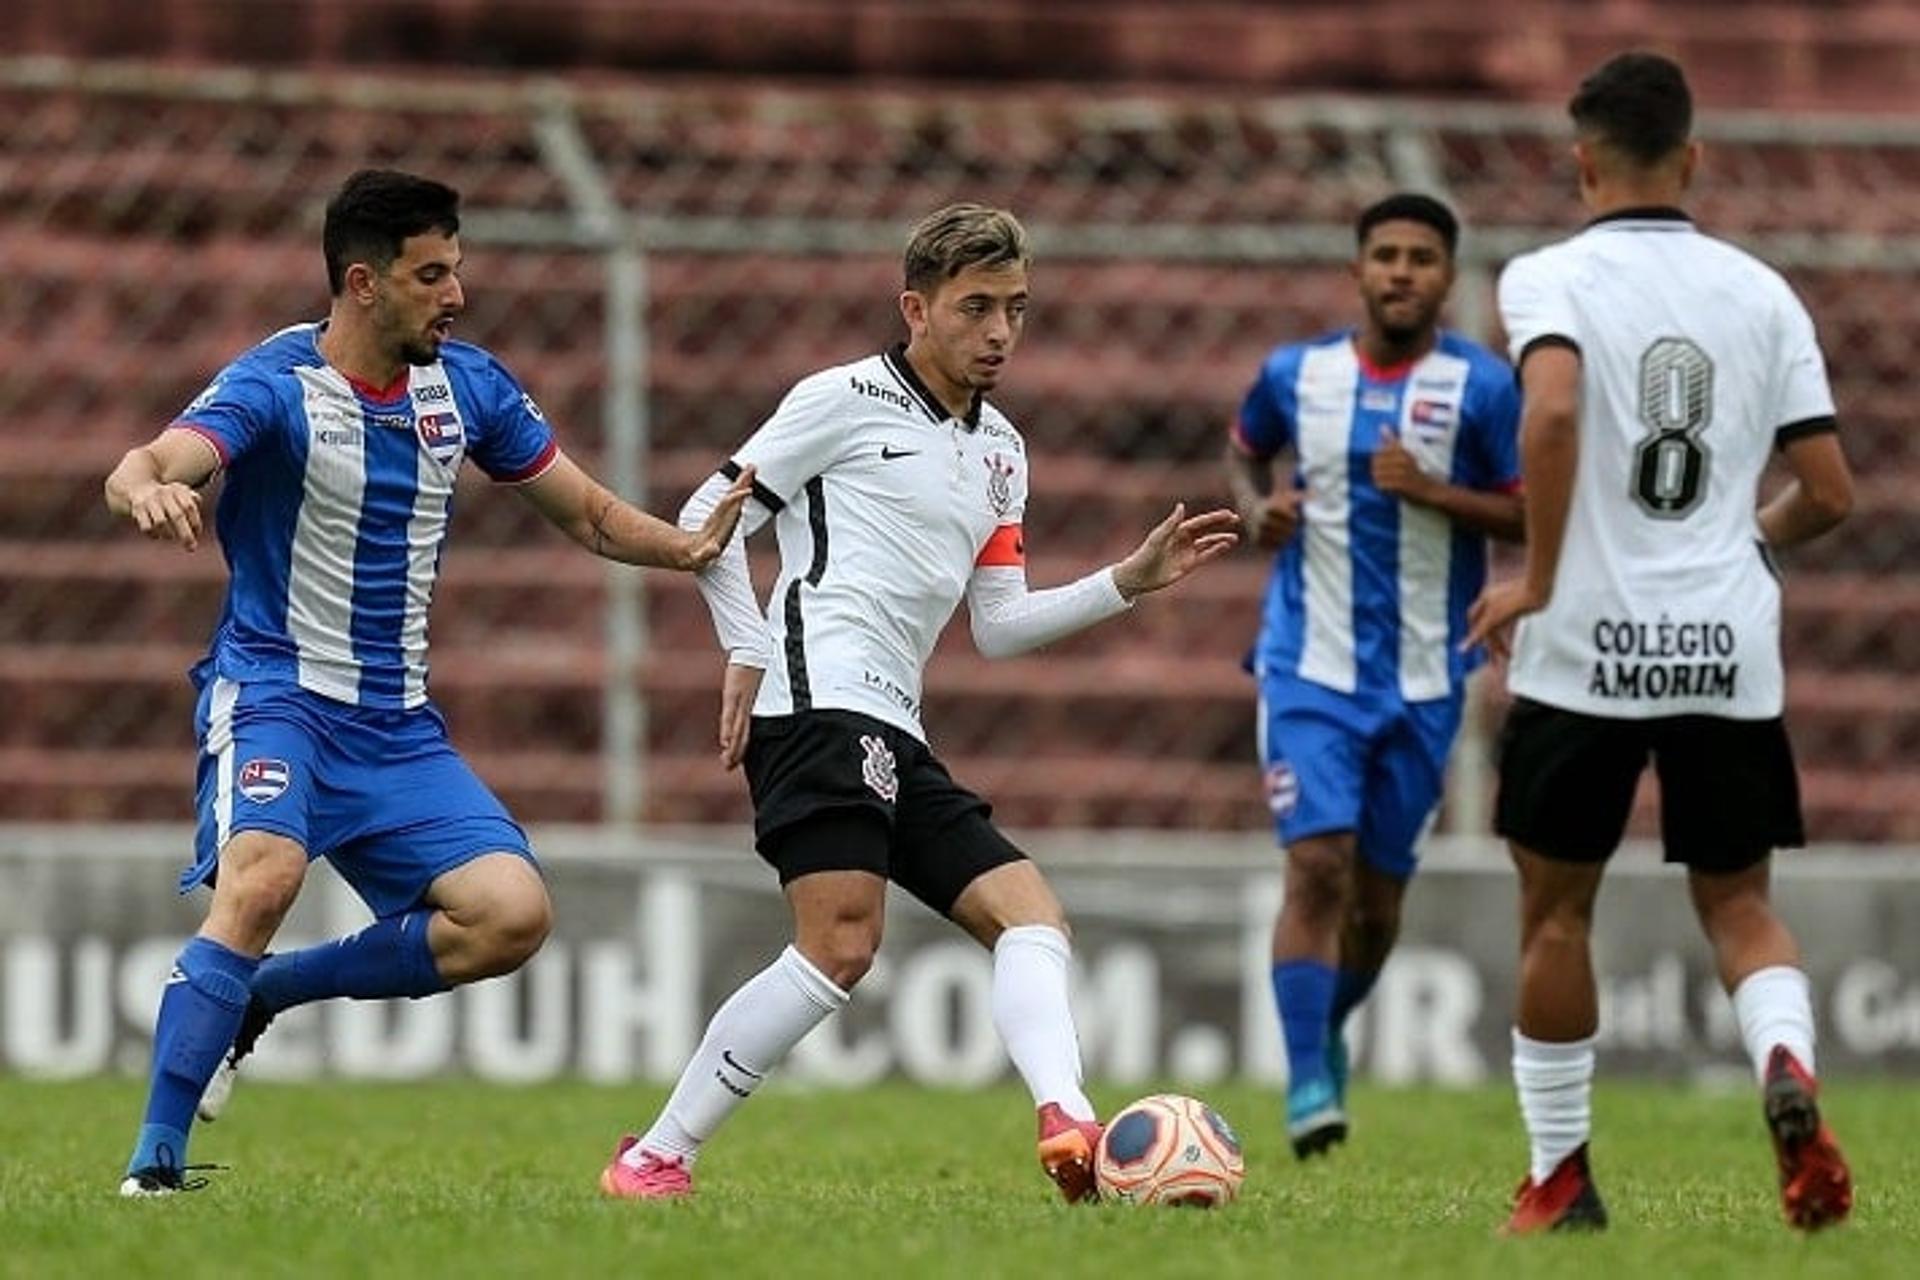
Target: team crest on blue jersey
pixel 1283 788
pixel 999 483
pixel 264 780
pixel 878 770
pixel 442 435
pixel 1433 416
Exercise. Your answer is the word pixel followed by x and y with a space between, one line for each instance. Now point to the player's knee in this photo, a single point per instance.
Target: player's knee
pixel 515 928
pixel 1317 889
pixel 844 953
pixel 260 876
pixel 1567 926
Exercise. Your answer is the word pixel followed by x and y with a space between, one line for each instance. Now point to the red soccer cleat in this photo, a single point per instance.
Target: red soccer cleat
pixel 1066 1152
pixel 1816 1189
pixel 1566 1201
pixel 657 1177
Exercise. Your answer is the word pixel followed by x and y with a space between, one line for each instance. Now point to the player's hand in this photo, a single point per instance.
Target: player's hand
pixel 711 538
pixel 738 688
pixel 1396 471
pixel 1177 546
pixel 1273 522
pixel 167 513
pixel 1490 619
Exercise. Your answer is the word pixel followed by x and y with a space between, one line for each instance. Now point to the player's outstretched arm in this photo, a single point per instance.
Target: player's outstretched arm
pixel 1175 548
pixel 156 485
pixel 586 511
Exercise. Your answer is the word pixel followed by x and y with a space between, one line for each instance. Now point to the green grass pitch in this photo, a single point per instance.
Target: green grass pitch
pixel 468 1180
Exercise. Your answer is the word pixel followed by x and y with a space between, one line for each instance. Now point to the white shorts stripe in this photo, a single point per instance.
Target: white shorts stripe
pixel 219 744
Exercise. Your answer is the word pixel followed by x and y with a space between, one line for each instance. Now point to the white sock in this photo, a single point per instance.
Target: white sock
pixel 1774 1007
pixel 1555 1080
pixel 1031 967
pixel 749 1036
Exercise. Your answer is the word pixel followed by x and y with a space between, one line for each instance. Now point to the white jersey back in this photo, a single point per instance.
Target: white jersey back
pixel 1695 359
pixel 883 504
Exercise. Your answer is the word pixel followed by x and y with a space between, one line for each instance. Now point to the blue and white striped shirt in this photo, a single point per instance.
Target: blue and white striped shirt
pixel 336 506
pixel 1371 596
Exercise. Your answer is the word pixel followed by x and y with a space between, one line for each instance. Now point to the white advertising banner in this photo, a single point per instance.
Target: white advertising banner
pixel 1171 938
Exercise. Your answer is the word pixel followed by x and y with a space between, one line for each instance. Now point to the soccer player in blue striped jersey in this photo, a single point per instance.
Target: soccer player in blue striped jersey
pixel 1401 443
pixel 340 442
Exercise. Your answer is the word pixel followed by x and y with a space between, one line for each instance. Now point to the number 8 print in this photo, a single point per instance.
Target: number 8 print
pixel 1676 404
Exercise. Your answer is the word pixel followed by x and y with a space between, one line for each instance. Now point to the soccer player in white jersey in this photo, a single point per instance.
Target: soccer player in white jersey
pixel 340 442
pixel 1402 440
pixel 895 490
pixel 1659 368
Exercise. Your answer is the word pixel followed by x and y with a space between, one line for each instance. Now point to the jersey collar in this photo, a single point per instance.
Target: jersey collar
pixel 1675 219
pixel 895 358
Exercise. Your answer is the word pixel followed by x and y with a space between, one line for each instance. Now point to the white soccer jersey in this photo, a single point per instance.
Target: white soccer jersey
pixel 884 504
pixel 1696 358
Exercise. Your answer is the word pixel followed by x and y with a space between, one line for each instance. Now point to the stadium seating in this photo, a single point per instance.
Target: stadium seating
pixel 140 258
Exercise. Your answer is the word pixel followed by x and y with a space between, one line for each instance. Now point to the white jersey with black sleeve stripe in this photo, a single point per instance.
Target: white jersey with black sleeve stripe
pixel 884 504
pixel 1696 360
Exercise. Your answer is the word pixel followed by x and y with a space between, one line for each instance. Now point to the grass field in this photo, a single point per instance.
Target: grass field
pixel 461 1179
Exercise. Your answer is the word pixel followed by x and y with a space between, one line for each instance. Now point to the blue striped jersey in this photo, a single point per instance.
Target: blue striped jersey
pixel 336 506
pixel 1371 596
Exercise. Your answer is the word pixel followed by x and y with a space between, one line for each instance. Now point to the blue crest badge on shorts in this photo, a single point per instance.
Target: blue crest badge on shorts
pixel 878 769
pixel 1283 788
pixel 264 780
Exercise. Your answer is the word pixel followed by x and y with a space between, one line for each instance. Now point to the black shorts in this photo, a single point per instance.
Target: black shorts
pixel 1729 795
pixel 841 791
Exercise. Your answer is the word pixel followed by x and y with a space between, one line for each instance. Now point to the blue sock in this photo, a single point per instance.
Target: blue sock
pixel 199 1014
pixel 387 958
pixel 1350 988
pixel 1303 992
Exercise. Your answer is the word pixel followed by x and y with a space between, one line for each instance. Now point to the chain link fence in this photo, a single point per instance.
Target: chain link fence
pixel 658 263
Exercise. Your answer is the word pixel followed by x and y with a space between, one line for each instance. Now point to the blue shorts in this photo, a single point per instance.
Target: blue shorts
pixel 379 793
pixel 1337 762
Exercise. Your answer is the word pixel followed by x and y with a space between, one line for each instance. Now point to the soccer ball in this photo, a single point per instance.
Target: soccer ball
pixel 1169 1149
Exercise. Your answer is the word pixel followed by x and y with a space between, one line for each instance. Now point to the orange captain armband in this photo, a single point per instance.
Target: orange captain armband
pixel 1006 549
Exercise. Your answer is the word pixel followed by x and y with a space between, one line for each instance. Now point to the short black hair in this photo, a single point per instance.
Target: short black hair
pixel 1638 103
pixel 1409 206
pixel 370 218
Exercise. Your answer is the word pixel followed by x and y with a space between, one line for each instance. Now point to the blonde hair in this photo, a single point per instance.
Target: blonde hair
pixel 949 240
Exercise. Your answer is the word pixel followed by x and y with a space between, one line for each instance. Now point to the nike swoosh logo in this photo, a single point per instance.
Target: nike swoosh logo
pixel 888 454
pixel 726 1056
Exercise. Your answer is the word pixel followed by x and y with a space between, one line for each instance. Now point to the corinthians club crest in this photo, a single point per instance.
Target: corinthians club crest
pixel 999 483
pixel 878 770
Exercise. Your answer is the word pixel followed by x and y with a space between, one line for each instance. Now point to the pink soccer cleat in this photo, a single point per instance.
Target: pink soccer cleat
pixel 656 1177
pixel 1066 1152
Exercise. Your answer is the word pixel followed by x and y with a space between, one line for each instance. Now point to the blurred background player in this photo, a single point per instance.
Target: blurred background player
pixel 1660 369
pixel 1401 438
pixel 341 441
pixel 895 490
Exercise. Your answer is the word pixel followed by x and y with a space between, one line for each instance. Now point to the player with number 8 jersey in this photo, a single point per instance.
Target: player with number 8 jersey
pixel 1659 368
pixel 1667 601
